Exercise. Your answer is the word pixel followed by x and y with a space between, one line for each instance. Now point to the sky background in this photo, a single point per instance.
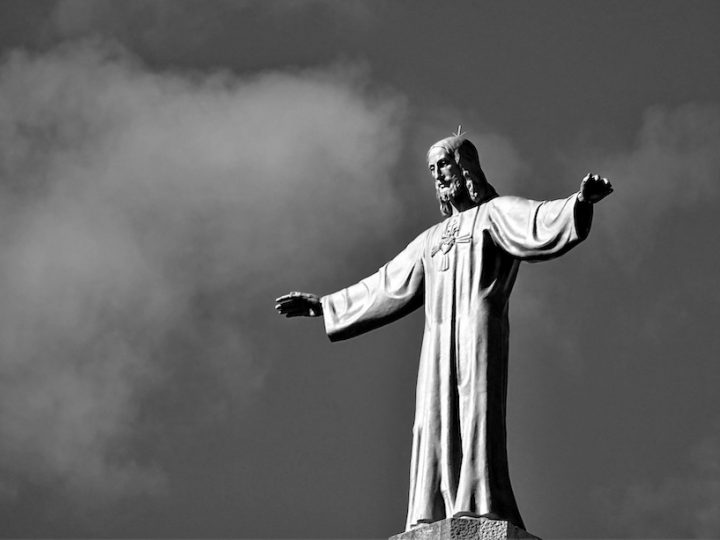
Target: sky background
pixel 168 168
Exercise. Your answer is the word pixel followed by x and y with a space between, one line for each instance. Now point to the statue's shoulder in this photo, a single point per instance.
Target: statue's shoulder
pixel 422 239
pixel 429 235
pixel 426 239
pixel 505 201
pixel 434 228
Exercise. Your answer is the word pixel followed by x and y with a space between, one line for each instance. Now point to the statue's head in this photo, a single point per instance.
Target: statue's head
pixel 455 165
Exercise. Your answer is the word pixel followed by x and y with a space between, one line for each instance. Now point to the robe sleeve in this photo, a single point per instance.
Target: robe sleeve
pixel 392 292
pixel 536 231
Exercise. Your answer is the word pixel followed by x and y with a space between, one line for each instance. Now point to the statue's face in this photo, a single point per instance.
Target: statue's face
pixel 447 174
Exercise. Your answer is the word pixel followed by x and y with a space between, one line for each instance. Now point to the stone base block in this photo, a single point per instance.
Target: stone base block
pixel 466 529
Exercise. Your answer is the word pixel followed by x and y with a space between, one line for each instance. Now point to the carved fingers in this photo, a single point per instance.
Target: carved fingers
pixel 594 188
pixel 298 304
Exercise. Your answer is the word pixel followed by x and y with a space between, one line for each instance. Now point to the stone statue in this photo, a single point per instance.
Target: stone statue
pixel 462 271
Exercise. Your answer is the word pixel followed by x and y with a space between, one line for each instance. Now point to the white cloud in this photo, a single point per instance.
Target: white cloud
pixel 674 166
pixel 147 217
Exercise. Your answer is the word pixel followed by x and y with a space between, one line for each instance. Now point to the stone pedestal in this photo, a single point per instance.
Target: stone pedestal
pixel 466 529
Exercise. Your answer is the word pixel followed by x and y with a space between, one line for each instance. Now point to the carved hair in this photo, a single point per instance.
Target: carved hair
pixel 467 158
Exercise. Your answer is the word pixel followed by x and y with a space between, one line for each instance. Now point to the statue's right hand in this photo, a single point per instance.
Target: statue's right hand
pixel 299 304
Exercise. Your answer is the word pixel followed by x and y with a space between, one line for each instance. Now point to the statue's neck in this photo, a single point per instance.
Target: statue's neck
pixel 461 206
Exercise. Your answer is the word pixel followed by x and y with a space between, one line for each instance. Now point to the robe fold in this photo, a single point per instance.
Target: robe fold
pixel 462 270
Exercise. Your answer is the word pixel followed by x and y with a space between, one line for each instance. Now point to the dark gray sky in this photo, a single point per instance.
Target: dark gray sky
pixel 168 168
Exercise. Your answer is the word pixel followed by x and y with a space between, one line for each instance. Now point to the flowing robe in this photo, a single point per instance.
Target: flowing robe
pixel 462 270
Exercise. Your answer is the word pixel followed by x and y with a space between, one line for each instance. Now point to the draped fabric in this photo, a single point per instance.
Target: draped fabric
pixel 462 270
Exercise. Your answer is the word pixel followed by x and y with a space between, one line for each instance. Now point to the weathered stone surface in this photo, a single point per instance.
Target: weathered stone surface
pixel 466 529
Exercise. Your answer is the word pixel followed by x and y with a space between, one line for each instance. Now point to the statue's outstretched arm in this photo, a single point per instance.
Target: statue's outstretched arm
pixel 299 304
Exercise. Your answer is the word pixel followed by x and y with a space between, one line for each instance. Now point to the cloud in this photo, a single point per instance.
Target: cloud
pixel 673 167
pixel 147 219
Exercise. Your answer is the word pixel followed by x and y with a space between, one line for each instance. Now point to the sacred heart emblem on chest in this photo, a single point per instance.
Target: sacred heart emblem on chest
pixel 450 236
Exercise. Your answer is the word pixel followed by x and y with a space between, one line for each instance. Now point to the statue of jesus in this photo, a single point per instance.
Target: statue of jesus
pixel 462 271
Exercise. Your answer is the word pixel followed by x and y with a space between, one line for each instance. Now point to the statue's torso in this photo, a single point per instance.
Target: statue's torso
pixel 465 272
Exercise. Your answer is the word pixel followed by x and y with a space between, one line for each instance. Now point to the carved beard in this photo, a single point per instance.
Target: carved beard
pixel 456 190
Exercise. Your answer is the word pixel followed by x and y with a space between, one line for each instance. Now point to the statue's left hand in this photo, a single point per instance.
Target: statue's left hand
pixel 299 304
pixel 594 188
